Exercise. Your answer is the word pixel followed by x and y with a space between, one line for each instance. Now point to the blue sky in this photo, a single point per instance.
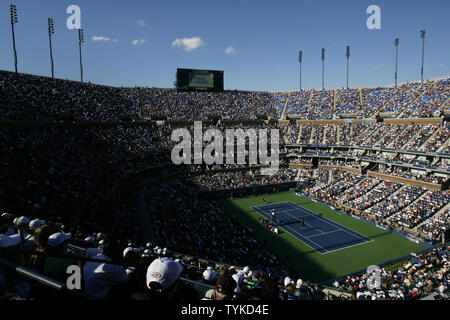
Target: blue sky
pixel 136 41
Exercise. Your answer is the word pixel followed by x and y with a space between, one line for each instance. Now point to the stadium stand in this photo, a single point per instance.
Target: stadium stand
pixel 83 165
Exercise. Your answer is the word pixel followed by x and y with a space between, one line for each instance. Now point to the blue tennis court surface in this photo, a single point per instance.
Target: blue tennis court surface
pixel 319 232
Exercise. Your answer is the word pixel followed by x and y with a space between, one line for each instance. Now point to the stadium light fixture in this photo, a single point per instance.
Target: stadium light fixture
pixel 347 54
pixel 300 59
pixel 323 68
pixel 396 42
pixel 80 42
pixel 51 31
pixel 14 20
pixel 422 36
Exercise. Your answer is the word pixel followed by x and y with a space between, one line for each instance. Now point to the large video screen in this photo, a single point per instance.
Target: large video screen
pixel 199 80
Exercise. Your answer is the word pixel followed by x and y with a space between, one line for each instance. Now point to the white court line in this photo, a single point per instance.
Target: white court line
pixel 305 222
pixel 301 217
pixel 255 209
pixel 358 244
pixel 324 233
pixel 309 213
pixel 326 251
pixel 296 208
pixel 330 222
pixel 273 204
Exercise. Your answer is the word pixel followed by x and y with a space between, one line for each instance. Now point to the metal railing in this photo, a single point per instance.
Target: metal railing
pixel 44 280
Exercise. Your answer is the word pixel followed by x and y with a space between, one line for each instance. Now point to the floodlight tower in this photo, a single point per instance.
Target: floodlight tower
pixel 300 59
pixel 396 41
pixel 51 31
pixel 347 54
pixel 323 68
pixel 422 36
pixel 14 20
pixel 80 42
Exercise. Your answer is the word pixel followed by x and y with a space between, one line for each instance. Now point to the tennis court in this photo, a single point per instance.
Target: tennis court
pixel 319 233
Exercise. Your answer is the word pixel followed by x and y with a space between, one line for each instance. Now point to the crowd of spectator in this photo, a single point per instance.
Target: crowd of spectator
pixel 436 226
pixel 340 182
pixel 348 101
pixel 425 274
pixel 201 105
pixel 389 204
pixel 395 202
pixel 341 163
pixel 300 160
pixel 298 103
pixel 124 269
pixel 426 207
pixel 242 178
pixel 408 174
pixel 374 196
pixel 38 98
pixel 321 105
pixel 24 95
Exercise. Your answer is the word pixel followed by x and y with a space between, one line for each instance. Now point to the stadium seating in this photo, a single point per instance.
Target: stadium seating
pixel 69 158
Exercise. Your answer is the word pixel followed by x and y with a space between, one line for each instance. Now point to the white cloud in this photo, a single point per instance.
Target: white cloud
pixel 141 23
pixel 100 38
pixel 231 50
pixel 188 44
pixel 137 41
pixel 441 66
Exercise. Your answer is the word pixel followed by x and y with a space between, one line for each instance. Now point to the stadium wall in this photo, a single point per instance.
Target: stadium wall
pixel 426 185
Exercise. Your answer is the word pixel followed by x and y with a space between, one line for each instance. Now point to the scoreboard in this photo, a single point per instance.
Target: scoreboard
pixel 199 80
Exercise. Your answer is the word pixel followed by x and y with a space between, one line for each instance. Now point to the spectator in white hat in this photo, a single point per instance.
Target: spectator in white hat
pixel 163 282
pixel 162 274
pixel 101 278
pixel 131 257
pixel 55 267
pixel 247 272
pixel 238 277
pixel 287 281
pixel 9 241
pixel 57 239
pixel 36 223
pixel 22 221
pixel 32 226
pixel 209 276
pixel 127 250
pixel 299 284
pixel 300 290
